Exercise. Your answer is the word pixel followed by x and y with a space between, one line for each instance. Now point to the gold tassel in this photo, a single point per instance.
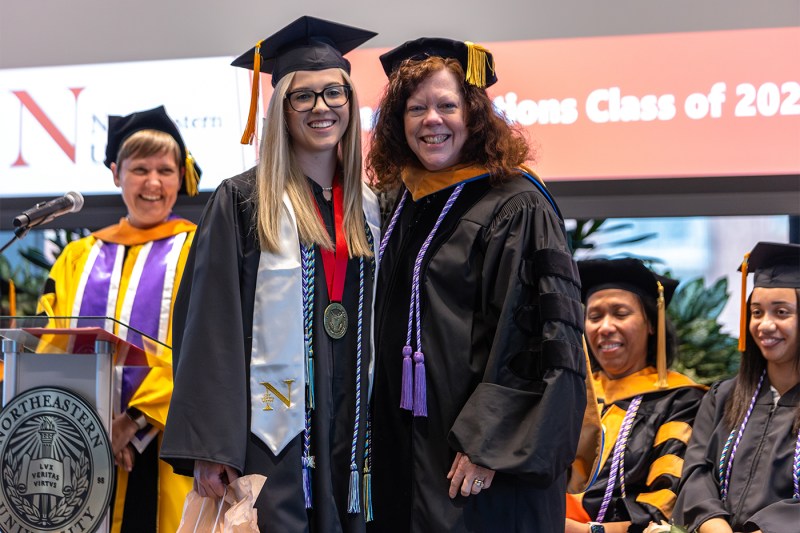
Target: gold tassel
pixel 12 298
pixel 661 344
pixel 250 128
pixel 743 307
pixel 191 178
pixel 477 64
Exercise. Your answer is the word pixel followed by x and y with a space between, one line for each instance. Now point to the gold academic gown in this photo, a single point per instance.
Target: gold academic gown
pixel 153 395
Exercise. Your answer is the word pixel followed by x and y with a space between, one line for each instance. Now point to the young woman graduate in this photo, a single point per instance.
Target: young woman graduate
pixel 479 382
pixel 130 271
pixel 742 469
pixel 274 351
pixel 647 411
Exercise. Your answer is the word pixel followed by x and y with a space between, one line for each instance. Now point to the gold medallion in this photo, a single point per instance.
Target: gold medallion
pixel 335 320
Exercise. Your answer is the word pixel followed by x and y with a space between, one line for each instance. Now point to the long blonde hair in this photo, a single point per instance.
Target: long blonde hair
pixel 279 171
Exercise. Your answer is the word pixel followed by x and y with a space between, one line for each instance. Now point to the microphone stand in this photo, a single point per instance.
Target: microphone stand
pixel 19 233
pixel 9 243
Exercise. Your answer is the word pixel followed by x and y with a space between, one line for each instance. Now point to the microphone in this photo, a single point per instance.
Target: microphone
pixel 44 212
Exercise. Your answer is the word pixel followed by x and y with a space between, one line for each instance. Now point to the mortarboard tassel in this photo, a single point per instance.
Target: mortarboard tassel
pixel 477 64
pixel 743 307
pixel 12 298
pixel 191 179
pixel 661 340
pixel 250 128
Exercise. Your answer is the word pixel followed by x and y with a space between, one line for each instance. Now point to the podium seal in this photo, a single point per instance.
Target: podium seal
pixel 56 463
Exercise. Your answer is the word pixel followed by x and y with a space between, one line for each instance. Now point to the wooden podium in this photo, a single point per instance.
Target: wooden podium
pixel 60 390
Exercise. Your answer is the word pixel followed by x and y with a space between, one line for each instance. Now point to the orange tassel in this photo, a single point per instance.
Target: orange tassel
pixel 191 177
pixel 743 308
pixel 12 298
pixel 477 64
pixel 250 128
pixel 661 340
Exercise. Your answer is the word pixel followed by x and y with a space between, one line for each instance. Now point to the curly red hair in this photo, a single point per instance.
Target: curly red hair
pixel 491 141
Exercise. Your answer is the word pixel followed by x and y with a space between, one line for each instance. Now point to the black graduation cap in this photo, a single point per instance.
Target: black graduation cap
pixel 632 275
pixel 308 43
pixel 120 128
pixel 628 274
pixel 477 61
pixel 774 265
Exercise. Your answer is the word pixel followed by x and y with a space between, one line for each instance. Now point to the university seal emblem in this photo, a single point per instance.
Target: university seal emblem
pixel 56 463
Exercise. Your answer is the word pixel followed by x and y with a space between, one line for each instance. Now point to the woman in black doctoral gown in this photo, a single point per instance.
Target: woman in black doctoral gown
pixel 479 382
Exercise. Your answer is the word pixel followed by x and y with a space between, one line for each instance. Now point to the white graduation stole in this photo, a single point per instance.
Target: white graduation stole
pixel 277 358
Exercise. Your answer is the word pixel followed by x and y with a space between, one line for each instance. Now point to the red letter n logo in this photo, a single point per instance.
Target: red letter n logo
pixel 52 130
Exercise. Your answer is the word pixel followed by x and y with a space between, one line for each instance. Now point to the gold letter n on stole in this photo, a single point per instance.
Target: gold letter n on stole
pixel 272 392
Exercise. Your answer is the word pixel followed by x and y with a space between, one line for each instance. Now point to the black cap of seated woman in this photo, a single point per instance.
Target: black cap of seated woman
pixel 774 266
pixel 654 291
pixel 477 62
pixel 121 128
pixel 308 43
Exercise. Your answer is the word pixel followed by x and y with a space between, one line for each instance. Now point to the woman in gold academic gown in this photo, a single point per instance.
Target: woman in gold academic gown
pixel 131 271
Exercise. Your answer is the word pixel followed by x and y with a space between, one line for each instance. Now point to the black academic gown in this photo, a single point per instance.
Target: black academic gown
pixel 760 487
pixel 504 365
pixel 209 416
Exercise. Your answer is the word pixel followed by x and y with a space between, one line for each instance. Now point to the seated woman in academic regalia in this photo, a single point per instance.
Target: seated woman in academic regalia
pixel 743 462
pixel 647 411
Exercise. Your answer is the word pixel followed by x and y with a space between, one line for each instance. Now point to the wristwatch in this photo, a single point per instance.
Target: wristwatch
pixel 137 416
pixel 596 527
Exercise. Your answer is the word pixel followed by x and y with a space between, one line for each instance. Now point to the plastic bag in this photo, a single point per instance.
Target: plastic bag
pixel 233 513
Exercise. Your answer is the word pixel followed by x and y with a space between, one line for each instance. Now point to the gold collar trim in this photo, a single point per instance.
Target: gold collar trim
pixel 127 235
pixel 421 182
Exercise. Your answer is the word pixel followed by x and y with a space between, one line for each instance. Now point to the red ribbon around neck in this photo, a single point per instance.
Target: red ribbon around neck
pixel 335 263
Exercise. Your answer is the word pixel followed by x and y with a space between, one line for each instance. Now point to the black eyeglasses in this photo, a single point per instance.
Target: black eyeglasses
pixel 305 100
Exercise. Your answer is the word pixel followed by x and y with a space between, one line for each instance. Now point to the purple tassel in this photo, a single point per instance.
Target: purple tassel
pixel 420 399
pixel 353 498
pixel 406 394
pixel 308 464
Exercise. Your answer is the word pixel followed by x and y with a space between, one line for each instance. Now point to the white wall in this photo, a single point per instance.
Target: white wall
pixel 66 32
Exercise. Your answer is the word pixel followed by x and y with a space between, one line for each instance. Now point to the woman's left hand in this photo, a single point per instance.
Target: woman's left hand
pixel 122 431
pixel 470 477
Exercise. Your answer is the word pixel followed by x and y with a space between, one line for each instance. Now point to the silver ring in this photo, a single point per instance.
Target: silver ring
pixel 478 482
